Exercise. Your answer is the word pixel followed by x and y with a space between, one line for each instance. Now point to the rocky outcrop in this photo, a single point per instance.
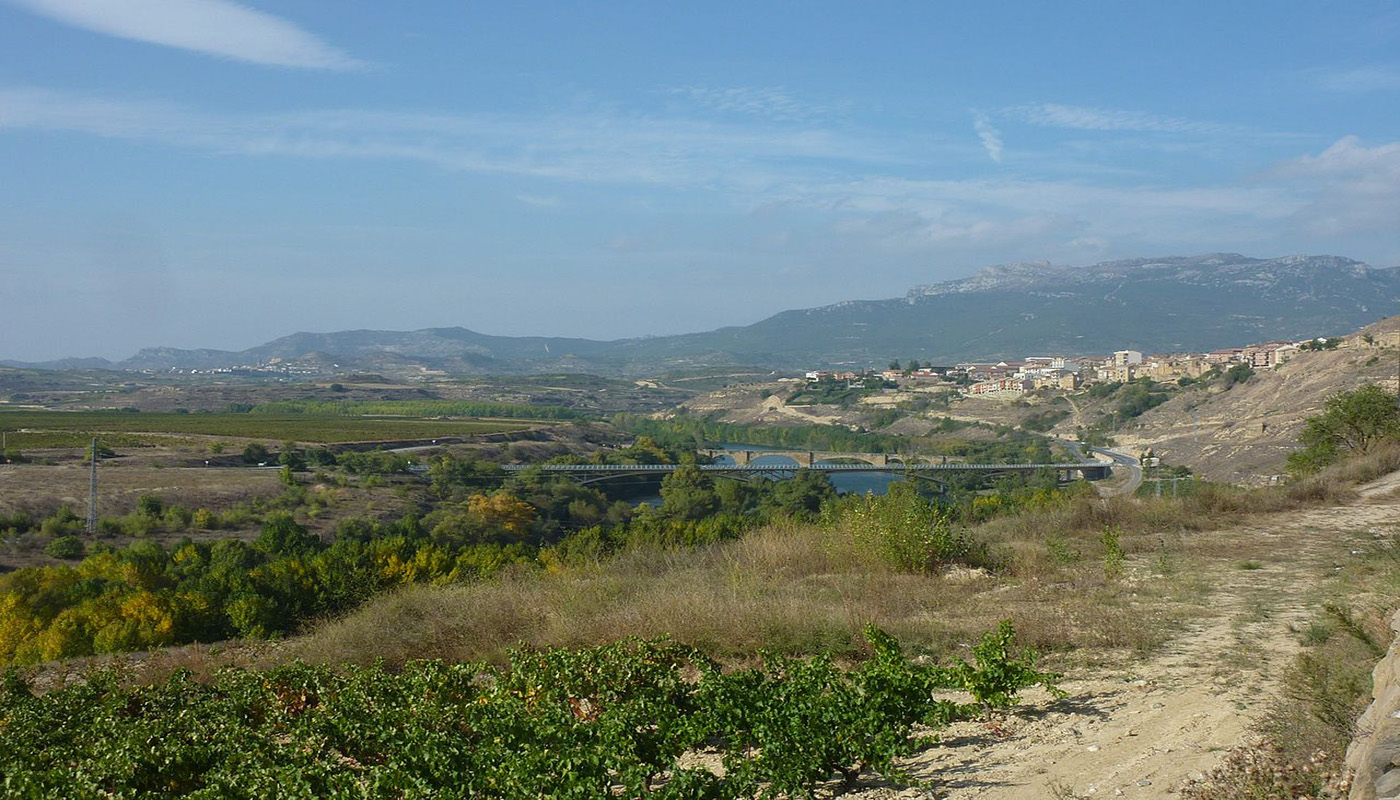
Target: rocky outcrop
pixel 1374 755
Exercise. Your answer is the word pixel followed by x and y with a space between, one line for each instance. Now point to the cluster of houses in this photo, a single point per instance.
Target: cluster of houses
pixel 1068 373
pixel 1017 377
pixel 275 366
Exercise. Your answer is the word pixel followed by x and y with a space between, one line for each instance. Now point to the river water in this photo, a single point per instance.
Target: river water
pixel 844 482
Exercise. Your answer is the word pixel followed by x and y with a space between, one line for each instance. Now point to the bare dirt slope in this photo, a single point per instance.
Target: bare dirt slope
pixel 1145 729
pixel 1244 434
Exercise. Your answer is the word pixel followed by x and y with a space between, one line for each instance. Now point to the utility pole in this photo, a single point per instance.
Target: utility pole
pixel 92 489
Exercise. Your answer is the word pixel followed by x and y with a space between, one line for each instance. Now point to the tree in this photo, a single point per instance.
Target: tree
pixel 66 547
pixel 803 494
pixel 688 493
pixel 150 505
pixel 255 453
pixel 283 536
pixel 291 457
pixel 1351 422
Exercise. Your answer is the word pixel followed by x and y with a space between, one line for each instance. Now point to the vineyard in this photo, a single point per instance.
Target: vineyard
pixel 415 408
pixel 75 428
pixel 634 718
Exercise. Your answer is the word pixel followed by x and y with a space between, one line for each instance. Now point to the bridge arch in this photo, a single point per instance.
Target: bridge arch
pixel 831 458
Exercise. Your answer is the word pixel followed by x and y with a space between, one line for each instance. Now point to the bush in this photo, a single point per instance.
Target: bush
pixel 900 530
pixel 1239 373
pixel 150 506
pixel 66 547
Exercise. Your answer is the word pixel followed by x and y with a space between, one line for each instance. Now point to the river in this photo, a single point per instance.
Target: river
pixel 845 483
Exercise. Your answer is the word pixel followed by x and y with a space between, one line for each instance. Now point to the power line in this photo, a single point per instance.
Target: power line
pixel 92 489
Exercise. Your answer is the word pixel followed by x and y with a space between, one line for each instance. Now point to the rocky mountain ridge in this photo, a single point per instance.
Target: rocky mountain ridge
pixel 1174 304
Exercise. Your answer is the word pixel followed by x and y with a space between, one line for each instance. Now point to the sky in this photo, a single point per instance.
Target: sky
pixel 215 174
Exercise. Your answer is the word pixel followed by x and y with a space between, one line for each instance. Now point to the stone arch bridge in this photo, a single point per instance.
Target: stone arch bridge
pixel 809 458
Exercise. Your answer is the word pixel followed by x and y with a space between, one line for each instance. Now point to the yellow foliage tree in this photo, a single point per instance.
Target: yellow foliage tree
pixel 502 510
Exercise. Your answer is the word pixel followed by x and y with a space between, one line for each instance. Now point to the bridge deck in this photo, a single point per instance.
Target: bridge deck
pixel 638 468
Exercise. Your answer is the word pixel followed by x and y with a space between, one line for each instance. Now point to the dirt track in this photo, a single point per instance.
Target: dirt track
pixel 1144 730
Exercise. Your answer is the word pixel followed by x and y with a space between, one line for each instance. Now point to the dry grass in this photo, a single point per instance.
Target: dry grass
pixel 1380 460
pixel 801 589
pixel 787 588
pixel 40 490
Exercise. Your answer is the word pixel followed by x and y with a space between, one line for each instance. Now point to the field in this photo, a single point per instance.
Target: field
pixel 73 428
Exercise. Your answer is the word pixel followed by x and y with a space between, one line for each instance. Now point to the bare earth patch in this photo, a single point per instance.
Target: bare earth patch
pixel 1144 730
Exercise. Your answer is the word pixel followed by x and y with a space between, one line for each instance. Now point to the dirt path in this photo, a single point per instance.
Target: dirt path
pixel 1144 730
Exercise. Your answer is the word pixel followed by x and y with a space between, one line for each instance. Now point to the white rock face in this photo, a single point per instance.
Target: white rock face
pixel 1374 756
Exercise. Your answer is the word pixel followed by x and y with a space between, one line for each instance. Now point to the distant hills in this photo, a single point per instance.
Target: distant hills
pixel 1006 311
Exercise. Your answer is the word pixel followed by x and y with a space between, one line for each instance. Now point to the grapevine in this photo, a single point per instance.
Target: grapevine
pixel 630 719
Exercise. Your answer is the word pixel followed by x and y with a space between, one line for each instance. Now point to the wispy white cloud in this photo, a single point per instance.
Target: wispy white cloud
pixel 215 27
pixel 988 134
pixel 1361 80
pixel 856 181
pixel 599 147
pixel 1054 115
pixel 770 102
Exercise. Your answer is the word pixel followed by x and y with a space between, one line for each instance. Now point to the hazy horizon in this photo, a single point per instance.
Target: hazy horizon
pixel 217 174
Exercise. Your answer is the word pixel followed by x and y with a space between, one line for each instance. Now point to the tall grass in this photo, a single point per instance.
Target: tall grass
pixel 810 588
pixel 786 587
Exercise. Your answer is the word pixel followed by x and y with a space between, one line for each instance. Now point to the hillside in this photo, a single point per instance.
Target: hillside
pixel 1008 311
pixel 1244 434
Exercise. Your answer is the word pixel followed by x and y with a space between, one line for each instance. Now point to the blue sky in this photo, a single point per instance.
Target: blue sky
pixel 210 173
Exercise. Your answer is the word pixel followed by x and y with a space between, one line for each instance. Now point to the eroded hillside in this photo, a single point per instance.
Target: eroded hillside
pixel 1244 434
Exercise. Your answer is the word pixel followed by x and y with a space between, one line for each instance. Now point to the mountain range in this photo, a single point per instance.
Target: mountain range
pixel 1176 304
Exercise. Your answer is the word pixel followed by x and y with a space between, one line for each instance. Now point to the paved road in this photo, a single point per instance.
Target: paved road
pixel 1130 463
pixel 1120 460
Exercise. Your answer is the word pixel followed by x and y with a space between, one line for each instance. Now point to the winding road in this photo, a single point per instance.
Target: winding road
pixel 1124 460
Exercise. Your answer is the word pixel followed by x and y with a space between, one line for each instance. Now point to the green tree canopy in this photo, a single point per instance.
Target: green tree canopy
pixel 1351 422
pixel 688 493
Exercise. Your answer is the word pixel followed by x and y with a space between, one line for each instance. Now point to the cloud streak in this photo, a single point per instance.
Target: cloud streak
pixel 219 28
pixel 594 147
pixel 860 184
pixel 988 134
pixel 1054 115
pixel 767 102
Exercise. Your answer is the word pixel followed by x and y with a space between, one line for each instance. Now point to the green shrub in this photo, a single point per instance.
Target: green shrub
pixel 66 547
pixel 899 529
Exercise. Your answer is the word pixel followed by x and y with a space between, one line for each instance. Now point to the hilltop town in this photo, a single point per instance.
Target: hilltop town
pixel 1071 373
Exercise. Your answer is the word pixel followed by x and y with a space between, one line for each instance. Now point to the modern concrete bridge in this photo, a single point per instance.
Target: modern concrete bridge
pixel 592 473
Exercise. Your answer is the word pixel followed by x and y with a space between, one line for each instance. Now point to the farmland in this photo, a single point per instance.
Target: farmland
pixel 32 429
